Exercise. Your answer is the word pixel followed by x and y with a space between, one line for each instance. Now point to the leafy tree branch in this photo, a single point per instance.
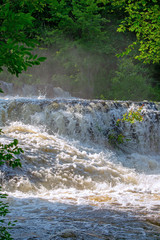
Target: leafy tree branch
pixel 16 46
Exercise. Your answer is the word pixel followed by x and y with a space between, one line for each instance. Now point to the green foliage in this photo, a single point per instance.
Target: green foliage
pixel 71 17
pixel 132 116
pixel 155 93
pixel 16 47
pixel 8 152
pixel 76 19
pixel 4 234
pixel 80 41
pixel 15 55
pixel 116 136
pixel 143 18
pixel 130 82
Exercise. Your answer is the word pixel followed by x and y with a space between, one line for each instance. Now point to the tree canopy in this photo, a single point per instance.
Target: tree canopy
pixel 81 39
pixel 82 20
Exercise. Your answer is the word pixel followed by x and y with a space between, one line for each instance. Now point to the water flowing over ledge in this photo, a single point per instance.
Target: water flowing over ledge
pixel 87 120
pixel 69 168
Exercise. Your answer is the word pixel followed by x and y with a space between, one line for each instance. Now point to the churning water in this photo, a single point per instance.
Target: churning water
pixel 73 184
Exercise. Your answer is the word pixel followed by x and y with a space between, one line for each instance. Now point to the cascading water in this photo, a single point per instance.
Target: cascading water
pixel 73 184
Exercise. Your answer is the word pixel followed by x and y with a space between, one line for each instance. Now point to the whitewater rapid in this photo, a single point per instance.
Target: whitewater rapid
pixel 70 170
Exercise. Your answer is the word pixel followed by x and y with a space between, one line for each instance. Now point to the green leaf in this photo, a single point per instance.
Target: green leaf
pixel 15 142
pixel 41 59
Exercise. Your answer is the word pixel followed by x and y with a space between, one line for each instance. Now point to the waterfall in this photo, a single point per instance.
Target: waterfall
pixel 69 165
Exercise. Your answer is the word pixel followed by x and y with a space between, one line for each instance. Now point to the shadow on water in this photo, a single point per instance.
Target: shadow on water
pixel 40 219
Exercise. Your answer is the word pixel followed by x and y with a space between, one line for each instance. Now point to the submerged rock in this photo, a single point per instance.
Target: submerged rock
pixel 70 233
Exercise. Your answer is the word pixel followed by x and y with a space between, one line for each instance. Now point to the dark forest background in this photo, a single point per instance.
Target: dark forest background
pixel 81 43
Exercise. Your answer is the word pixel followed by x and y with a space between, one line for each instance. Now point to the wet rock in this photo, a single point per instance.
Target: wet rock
pixel 54 106
pixel 3 116
pixel 68 233
pixel 32 238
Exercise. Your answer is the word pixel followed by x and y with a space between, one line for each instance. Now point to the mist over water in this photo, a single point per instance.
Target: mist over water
pixel 72 181
pixel 83 72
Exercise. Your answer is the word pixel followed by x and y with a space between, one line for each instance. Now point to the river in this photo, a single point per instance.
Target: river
pixel 73 183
